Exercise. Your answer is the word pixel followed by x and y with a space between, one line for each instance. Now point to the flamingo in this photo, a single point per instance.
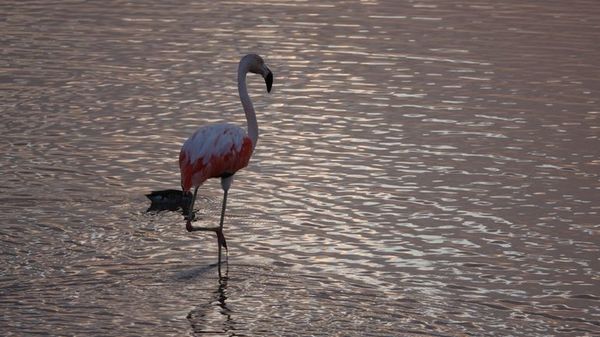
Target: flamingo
pixel 220 150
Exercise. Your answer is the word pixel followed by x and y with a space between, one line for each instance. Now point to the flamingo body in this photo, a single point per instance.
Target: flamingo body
pixel 213 151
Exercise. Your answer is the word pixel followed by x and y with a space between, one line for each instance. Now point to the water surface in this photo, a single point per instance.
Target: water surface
pixel 424 168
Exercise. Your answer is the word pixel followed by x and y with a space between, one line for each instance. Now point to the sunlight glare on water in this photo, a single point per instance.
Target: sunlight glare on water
pixel 424 168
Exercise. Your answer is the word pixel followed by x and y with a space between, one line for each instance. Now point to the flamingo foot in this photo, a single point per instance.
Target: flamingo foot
pixel 221 238
pixel 191 216
pixel 190 228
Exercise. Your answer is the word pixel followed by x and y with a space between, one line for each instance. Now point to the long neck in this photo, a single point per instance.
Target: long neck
pixel 247 104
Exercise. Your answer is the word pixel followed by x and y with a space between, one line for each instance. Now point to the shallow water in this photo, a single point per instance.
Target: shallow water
pixel 424 168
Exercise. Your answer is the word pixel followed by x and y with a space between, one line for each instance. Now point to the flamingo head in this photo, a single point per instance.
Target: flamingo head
pixel 257 65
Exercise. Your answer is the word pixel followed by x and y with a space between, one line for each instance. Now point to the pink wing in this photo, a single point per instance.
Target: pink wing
pixel 213 151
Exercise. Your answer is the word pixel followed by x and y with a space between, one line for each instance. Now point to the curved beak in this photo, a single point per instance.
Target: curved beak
pixel 268 79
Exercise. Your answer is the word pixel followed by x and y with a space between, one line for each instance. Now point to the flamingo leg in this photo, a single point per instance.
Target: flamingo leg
pixel 190 215
pixel 220 237
pixel 221 243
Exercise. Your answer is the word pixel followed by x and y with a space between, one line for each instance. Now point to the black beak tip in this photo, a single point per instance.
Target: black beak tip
pixel 269 81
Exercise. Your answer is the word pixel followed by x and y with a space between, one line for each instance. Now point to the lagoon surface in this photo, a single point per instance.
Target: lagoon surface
pixel 425 168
